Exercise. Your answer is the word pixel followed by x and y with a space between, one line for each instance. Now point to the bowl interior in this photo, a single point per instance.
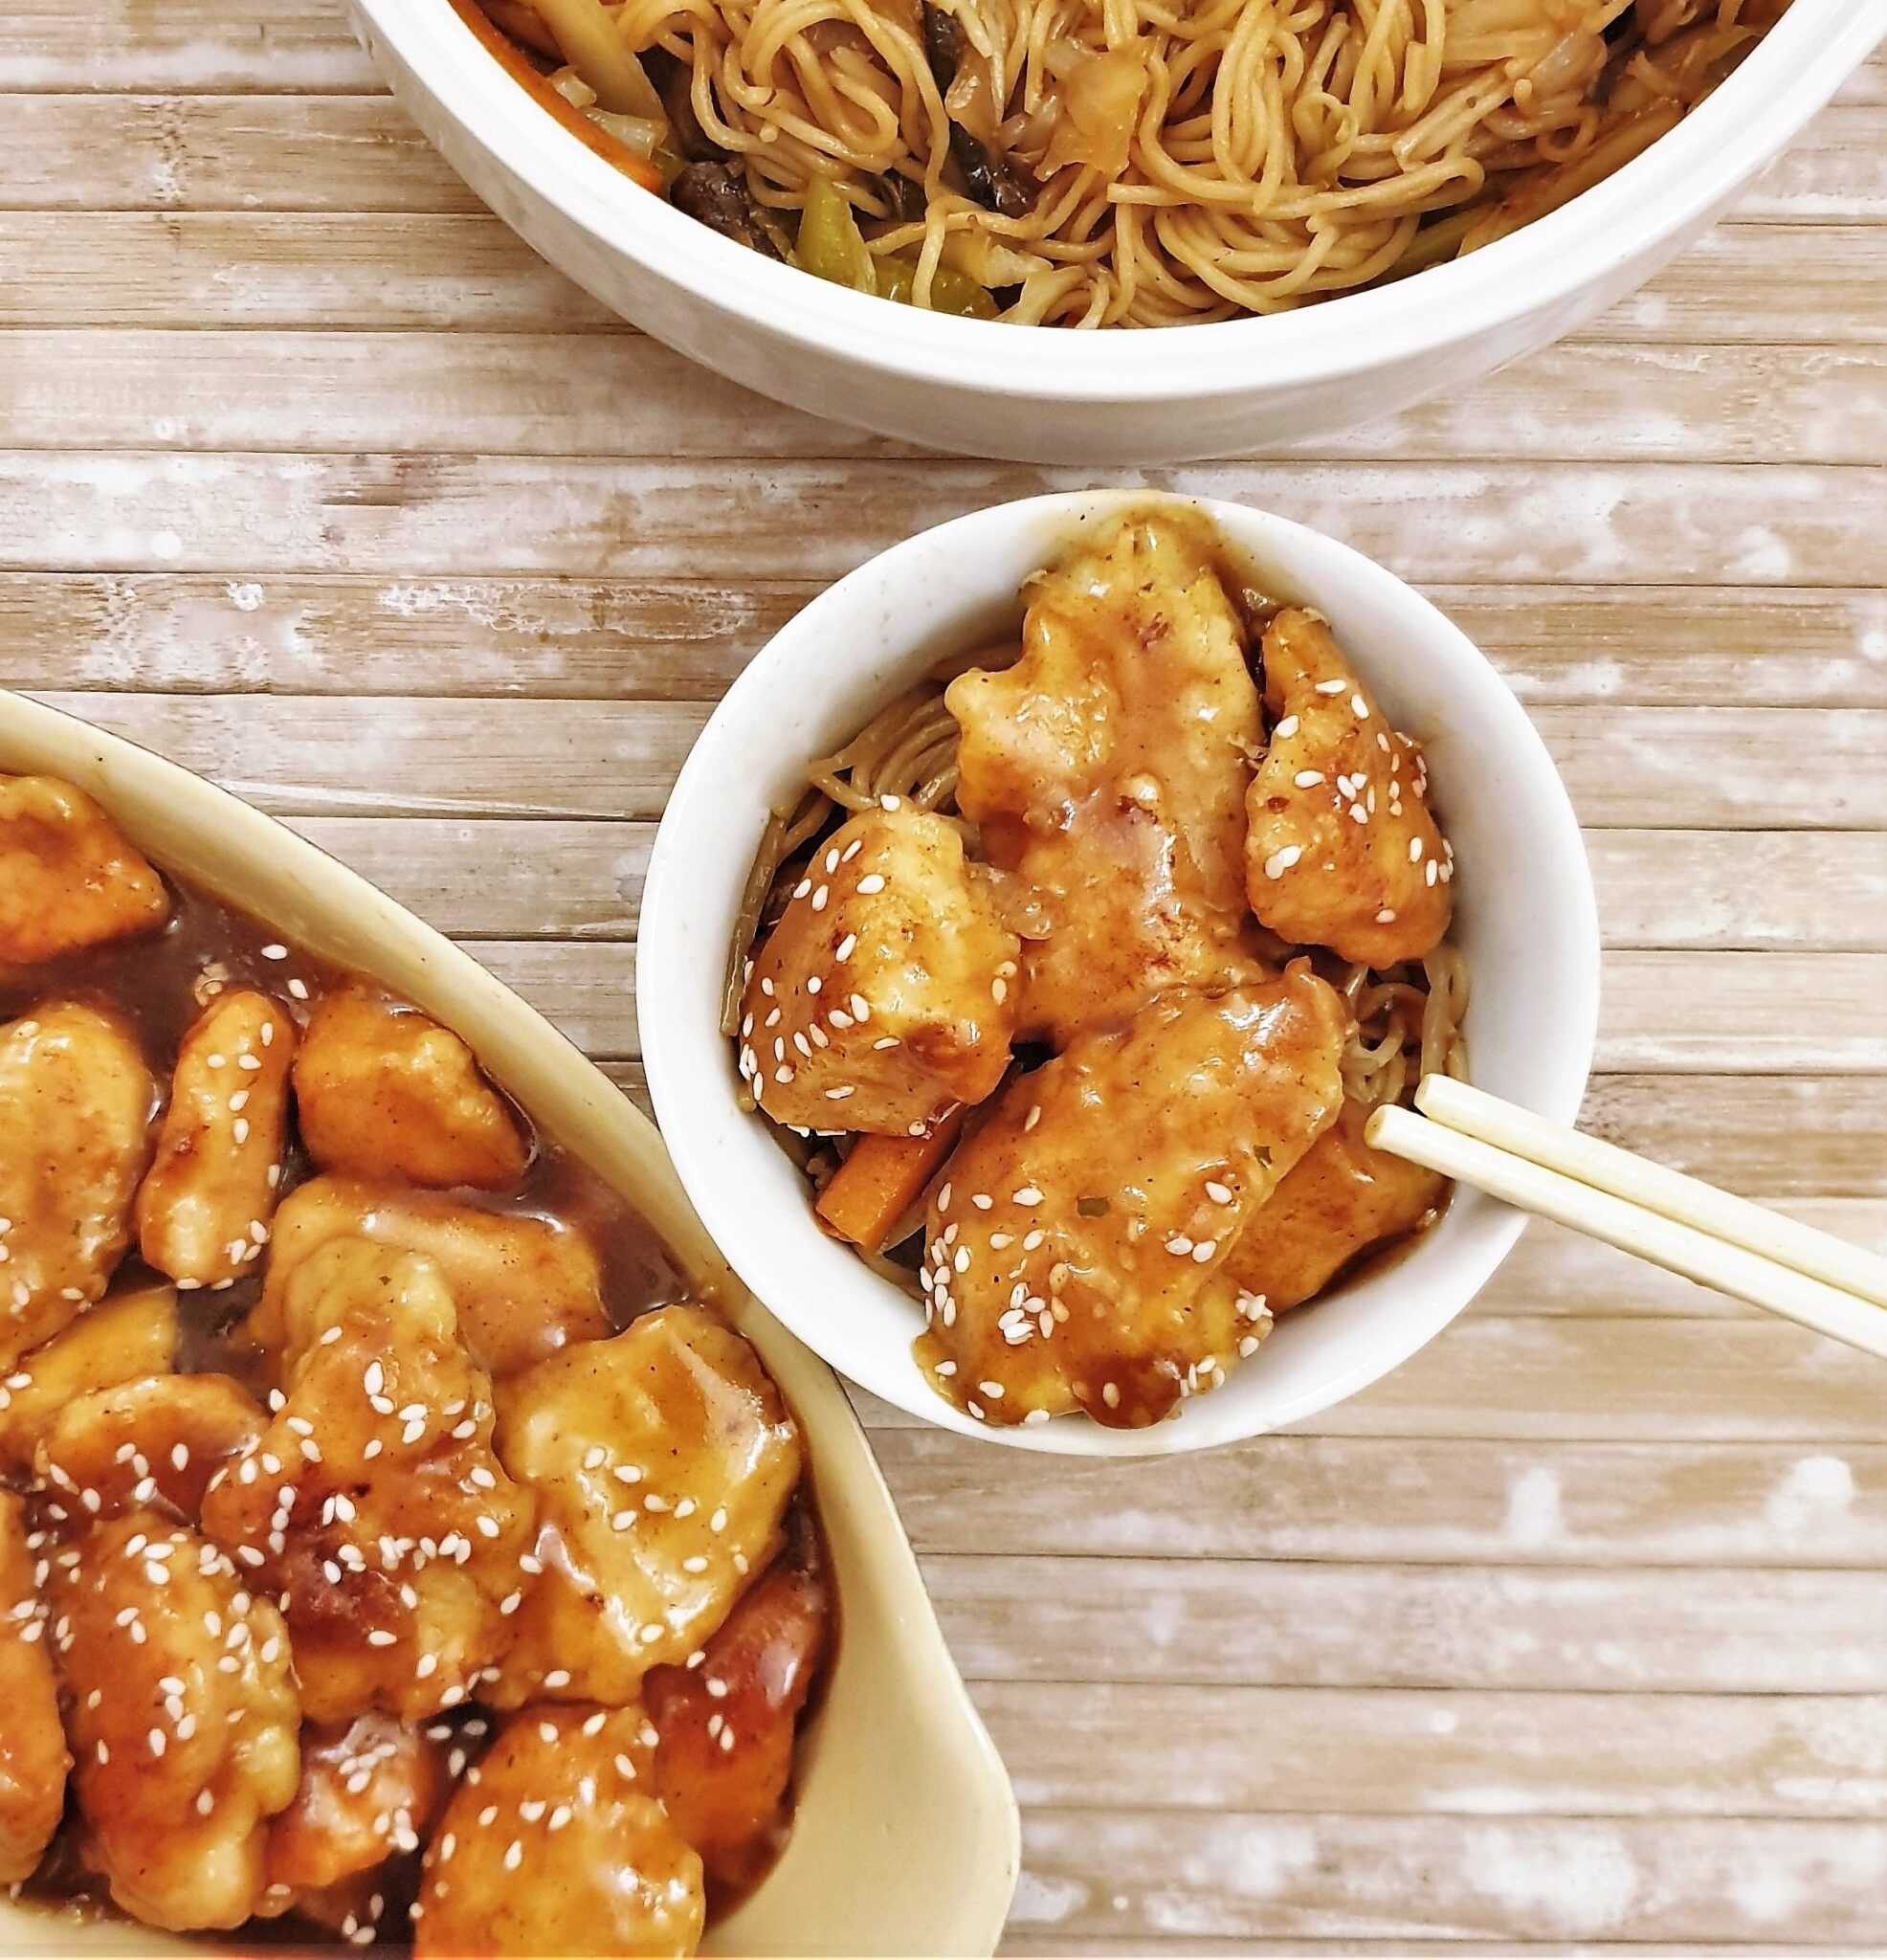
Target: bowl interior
pixel 907 1834
pixel 1525 916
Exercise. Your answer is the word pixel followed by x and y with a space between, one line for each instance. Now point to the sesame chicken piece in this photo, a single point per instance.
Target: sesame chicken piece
pixel 372 1504
pixel 1107 768
pixel 157 1441
pixel 663 1460
pixel 560 1846
pixel 382 1090
pixel 886 992
pixel 205 1205
pixel 369 1790
pixel 68 879
pixel 1340 1199
pixel 75 1104
pixel 523 1287
pixel 726 1726
pixel 33 1758
pixel 1341 849
pixel 182 1718
pixel 126 1336
pixel 1075 1252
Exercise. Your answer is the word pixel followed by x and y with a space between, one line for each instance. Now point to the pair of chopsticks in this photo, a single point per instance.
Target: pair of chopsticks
pixel 1660 1214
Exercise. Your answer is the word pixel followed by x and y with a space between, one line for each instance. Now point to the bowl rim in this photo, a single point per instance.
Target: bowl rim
pixel 228 846
pixel 1673 184
pixel 679 1088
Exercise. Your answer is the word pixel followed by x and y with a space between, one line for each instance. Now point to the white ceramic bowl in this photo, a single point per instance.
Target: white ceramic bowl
pixel 1524 915
pixel 1114 397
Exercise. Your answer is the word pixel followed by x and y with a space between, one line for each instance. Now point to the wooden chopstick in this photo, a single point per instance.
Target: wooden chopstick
pixel 1658 1214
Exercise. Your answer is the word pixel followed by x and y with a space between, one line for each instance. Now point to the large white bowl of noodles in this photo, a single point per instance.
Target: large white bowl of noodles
pixel 1525 918
pixel 1116 396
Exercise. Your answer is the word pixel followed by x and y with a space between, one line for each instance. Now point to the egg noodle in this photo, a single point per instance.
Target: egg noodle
pixel 1100 163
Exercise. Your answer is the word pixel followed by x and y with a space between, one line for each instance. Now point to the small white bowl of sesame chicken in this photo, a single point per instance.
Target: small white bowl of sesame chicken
pixel 1034 930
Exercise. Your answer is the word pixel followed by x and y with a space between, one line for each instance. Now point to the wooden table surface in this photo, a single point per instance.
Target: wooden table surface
pixel 1571 1635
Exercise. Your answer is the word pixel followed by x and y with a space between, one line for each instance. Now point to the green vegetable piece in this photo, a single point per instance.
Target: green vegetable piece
pixel 951 291
pixel 831 245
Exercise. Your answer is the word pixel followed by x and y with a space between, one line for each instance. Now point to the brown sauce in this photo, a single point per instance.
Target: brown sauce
pixel 157 984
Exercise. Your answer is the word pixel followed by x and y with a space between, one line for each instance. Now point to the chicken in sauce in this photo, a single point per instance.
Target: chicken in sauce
pixel 1105 768
pixel 363 1466
pixel 1230 897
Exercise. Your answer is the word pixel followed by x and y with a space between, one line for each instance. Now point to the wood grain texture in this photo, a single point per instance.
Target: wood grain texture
pixel 1566 1639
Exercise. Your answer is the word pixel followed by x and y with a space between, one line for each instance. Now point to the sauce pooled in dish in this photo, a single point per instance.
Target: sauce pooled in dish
pixel 390 1553
pixel 1071 982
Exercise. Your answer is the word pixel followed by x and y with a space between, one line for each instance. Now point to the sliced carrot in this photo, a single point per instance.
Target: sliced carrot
pixel 517 64
pixel 877 1184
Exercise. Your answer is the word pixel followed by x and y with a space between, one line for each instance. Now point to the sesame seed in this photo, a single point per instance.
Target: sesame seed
pixel 1386 916
pixel 871 883
pixel 1110 1393
pixel 1414 849
pixel 1205 1249
pixel 1219 1193
pixel 1281 861
pixel 1286 728
pixel 1331 686
pixel 1180 1246
pixel 1359 707
pixel 820 896
pixel 1308 779
pixel 1027 1195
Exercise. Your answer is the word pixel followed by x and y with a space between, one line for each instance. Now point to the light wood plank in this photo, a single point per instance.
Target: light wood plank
pixel 1016 1624
pixel 162 632
pixel 1557 1271
pixel 1720 768
pixel 1026 1942
pixel 1146 1877
pixel 182 44
pixel 596 517
pixel 88 152
pixel 1801 890
pixel 1398 1753
pixel 1575 645
pixel 1745 283
pixel 1403 1500
pixel 1742 890
pixel 1744 1132
pixel 549 394
pixel 1629 1379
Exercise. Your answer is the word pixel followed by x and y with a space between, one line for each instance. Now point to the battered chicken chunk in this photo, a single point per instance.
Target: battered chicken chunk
pixel 369 1790
pixel 1076 1253
pixel 1108 768
pixel 560 1847
pixel 34 1760
pixel 75 1104
pixel 1342 1198
pixel 126 1336
pixel 382 1090
pixel 1341 849
pixel 664 1458
pixel 373 1503
pixel 725 1753
pixel 204 1209
pixel 157 1441
pixel 182 1718
pixel 523 1287
pixel 886 994
pixel 67 878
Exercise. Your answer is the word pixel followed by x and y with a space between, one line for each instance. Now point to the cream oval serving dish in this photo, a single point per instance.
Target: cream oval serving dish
pixel 905 1838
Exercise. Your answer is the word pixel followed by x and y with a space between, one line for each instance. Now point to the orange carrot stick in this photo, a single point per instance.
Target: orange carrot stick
pixel 879 1181
pixel 511 59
